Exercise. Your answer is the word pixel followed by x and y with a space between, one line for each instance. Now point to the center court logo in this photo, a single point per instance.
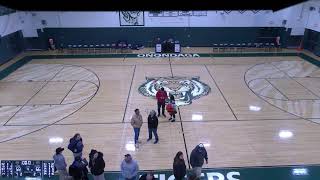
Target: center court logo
pixel 153 55
pixel 184 89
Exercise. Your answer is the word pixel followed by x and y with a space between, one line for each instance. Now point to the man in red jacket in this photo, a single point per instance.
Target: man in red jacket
pixel 161 99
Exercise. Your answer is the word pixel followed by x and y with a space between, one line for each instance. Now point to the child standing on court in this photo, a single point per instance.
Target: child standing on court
pixel 172 110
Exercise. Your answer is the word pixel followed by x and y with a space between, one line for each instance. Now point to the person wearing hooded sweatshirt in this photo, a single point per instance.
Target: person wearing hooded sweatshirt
pixel 153 126
pixel 172 110
pixel 179 166
pixel 129 168
pixel 97 166
pixel 76 145
pixel 161 97
pixel 197 157
pixel 91 154
pixel 60 164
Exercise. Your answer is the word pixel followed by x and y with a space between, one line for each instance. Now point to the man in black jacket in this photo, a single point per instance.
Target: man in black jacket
pixel 78 169
pixel 197 157
pixel 97 166
pixel 153 126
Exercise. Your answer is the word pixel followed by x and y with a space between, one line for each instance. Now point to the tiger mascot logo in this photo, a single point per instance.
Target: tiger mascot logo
pixel 131 17
pixel 184 89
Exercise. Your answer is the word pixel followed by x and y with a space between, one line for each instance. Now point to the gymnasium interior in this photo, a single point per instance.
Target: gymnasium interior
pixel 245 82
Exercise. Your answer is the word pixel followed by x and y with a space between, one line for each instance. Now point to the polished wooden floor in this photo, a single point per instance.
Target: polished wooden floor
pixel 261 111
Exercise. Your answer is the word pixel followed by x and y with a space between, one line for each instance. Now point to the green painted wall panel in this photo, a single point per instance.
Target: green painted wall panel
pixel 10 46
pixel 195 36
pixel 311 41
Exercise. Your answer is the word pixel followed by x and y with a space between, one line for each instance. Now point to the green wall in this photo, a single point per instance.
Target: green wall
pixel 311 41
pixel 194 36
pixel 10 46
pixel 14 43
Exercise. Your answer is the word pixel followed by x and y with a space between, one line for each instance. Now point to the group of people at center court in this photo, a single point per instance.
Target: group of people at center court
pixel 163 102
pixel 129 167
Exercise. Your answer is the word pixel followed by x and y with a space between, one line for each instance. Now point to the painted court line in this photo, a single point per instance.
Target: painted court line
pixel 125 109
pixel 221 92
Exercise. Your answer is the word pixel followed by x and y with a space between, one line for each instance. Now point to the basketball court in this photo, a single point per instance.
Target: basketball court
pixel 247 111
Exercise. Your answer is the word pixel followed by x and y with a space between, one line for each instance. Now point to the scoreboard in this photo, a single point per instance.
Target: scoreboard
pixel 26 168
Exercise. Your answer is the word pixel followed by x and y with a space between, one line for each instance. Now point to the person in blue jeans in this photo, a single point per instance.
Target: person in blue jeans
pixel 136 122
pixel 153 126
pixel 129 168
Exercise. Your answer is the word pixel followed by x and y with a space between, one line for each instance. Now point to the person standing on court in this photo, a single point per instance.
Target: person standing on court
pixel 78 169
pixel 172 110
pixel 76 145
pixel 136 122
pixel 129 168
pixel 179 166
pixel 197 157
pixel 60 164
pixel 161 97
pixel 97 166
pixel 153 126
pixel 91 156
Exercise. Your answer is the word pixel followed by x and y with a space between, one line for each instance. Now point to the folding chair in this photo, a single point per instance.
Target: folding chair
pixel 96 49
pixel 215 47
pixel 113 48
pixel 85 48
pixel 108 48
pixel 120 47
pixel 243 46
pixel 232 47
pixel 102 48
pixel 69 49
pixel 74 47
pixel 125 48
pixel 129 48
